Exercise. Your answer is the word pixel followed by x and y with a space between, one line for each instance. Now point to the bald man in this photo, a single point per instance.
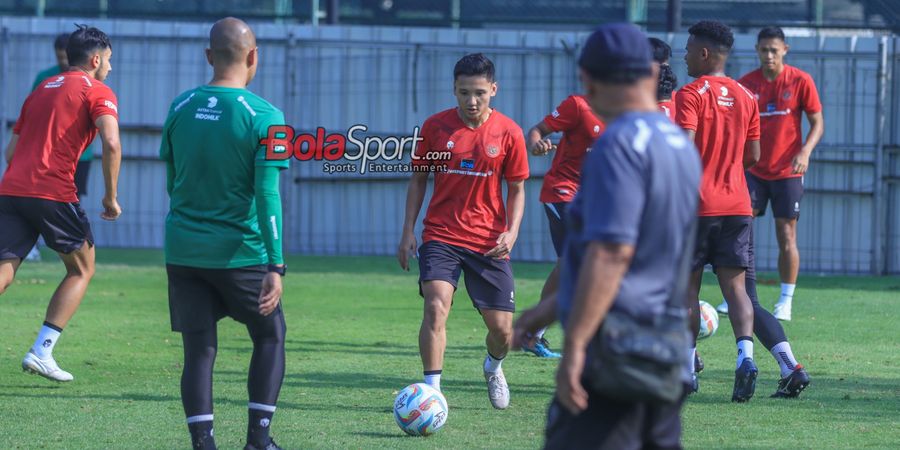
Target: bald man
pixel 223 231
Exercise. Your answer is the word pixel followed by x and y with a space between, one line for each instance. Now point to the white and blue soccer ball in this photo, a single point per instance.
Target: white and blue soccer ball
pixel 420 410
pixel 709 320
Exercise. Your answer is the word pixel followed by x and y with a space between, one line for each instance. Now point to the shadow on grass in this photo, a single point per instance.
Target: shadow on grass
pixel 381 435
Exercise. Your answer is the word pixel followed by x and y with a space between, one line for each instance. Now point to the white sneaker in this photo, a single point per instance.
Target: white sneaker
pixel 782 311
pixel 723 308
pixel 46 368
pixel 34 254
pixel 498 390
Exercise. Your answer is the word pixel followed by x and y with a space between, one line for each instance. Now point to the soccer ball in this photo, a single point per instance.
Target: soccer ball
pixel 709 320
pixel 420 410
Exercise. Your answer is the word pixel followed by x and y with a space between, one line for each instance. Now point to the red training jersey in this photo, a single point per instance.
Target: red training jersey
pixel 782 102
pixel 725 117
pixel 57 122
pixel 580 128
pixel 467 207
pixel 667 107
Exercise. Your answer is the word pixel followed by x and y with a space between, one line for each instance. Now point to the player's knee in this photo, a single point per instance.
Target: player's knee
pixel 4 283
pixel 501 334
pixel 436 310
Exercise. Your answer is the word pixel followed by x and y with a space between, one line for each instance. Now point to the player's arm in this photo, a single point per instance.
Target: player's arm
pixel 11 148
pixel 537 141
pixel 112 160
pixel 816 130
pixel 515 209
pixel 601 273
pixel 415 195
pixel 751 154
pixel 269 215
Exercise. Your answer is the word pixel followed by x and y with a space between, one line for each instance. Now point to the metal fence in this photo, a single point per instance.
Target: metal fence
pixel 392 79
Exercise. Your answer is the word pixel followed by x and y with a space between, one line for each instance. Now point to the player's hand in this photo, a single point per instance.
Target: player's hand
pixel 800 163
pixel 505 244
pixel 542 147
pixel 406 249
pixel 111 209
pixel 532 320
pixel 270 294
pixel 569 390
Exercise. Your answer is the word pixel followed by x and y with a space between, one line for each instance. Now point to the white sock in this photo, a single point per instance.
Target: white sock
pixel 693 354
pixel 492 364
pixel 46 340
pixel 433 378
pixel 787 293
pixel 540 333
pixel 744 350
pixel 785 357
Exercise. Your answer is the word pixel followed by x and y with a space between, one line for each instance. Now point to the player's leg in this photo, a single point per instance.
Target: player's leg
pixel 760 194
pixel 8 269
pixel 194 308
pixel 439 270
pixel 16 239
pixel 707 230
pixel 786 209
pixel 794 378
pixel 556 213
pixel 491 287
pixel 732 257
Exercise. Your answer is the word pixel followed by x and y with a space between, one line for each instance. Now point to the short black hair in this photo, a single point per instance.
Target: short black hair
pixel 61 42
pixel 770 33
pixel 716 33
pixel 662 52
pixel 472 65
pixel 668 81
pixel 83 42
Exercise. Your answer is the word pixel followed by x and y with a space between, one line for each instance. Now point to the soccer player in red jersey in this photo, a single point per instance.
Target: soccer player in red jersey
pixel 467 227
pixel 37 193
pixel 580 127
pixel 785 93
pixel 722 119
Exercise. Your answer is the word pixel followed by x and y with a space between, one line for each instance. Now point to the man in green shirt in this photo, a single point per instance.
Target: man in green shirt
pixel 223 231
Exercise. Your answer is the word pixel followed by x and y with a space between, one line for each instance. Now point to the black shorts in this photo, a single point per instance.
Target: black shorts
pixel 556 216
pixel 785 195
pixel 723 241
pixel 64 226
pixel 488 280
pixel 82 172
pixel 609 424
pixel 198 298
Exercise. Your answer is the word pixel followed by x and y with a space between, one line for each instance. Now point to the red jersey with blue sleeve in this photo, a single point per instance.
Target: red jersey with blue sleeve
pixel 782 103
pixel 57 122
pixel 724 116
pixel 467 208
pixel 580 128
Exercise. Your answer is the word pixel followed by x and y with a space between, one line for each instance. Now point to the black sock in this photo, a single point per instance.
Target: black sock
pixel 258 427
pixel 202 435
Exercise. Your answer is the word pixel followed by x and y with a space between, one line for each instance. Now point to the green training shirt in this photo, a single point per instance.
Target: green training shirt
pixel 210 142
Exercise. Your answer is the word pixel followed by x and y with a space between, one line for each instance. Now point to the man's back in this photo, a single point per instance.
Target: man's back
pixel 724 116
pixel 211 142
pixel 54 127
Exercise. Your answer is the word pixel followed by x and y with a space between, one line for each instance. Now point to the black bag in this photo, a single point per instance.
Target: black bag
pixel 644 361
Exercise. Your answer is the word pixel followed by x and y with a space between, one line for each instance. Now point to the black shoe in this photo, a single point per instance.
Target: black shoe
pixel 269 446
pixel 744 381
pixel 792 385
pixel 698 362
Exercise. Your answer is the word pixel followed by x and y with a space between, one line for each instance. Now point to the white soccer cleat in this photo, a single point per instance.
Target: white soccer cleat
pixel 782 311
pixel 46 368
pixel 722 308
pixel 498 390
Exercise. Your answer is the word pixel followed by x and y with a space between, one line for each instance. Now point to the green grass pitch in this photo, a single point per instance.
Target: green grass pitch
pixel 352 327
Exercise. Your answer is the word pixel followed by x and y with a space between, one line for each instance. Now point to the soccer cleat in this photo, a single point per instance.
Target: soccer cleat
pixel 792 385
pixel 271 445
pixel 46 368
pixel 698 362
pixel 695 384
pixel 744 381
pixel 542 349
pixel 498 390
pixel 782 311
pixel 722 308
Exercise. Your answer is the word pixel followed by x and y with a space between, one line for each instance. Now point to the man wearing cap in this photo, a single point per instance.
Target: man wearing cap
pixel 641 172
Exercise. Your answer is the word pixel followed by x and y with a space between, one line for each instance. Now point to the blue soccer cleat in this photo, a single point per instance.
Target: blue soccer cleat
pixel 744 381
pixel 541 349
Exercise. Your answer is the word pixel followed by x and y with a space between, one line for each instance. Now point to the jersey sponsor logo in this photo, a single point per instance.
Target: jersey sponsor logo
pixel 492 151
pixel 775 112
pixel 55 83
pixel 724 91
pixel 212 102
pixel 208 112
pixel 449 145
pixel 467 164
pixel 555 114
pixel 724 99
pixel 111 106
